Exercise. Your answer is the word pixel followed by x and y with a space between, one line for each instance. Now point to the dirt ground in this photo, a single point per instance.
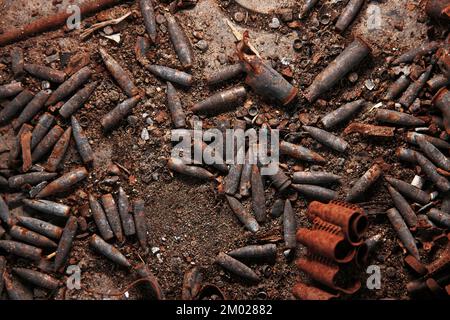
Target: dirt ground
pixel 189 222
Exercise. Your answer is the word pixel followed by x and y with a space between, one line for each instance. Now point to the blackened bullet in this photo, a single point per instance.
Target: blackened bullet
pixel 336 70
pixel 113 118
pixel 398 118
pixel 440 217
pixel 289 226
pixel 232 179
pixel 246 175
pixel 180 42
pixel 434 154
pixel 65 243
pixel 45 73
pixel 100 219
pixel 224 74
pixel 348 14
pixel 140 222
pixel 109 251
pixel 364 183
pixel 42 227
pixel 124 212
pixel 10 89
pixel 413 137
pixel 417 51
pixel 21 249
pixel 236 267
pixel 278 208
pixel 82 142
pixel 437 82
pixel 41 128
pixel 13 107
pixel 64 183
pixel 31 178
pixel 242 214
pixel 431 171
pixel 25 148
pixel 31 109
pixel 405 154
pixel 403 207
pixel 315 178
pixel 120 74
pixel 59 151
pixel 441 101
pixel 70 85
pixel 220 102
pixel 300 152
pixel 31 237
pixel 414 88
pixel 37 278
pixel 397 88
pixel 266 253
pixel 315 192
pixel 77 100
pixel 151 284
pixel 15 289
pixel 258 196
pixel 342 113
pixel 409 191
pixel 148 14
pixel 175 107
pixel 5 215
pixel 328 139
pixel 17 63
pixel 403 232
pixel 172 75
pixel 280 180
pixel 48 207
pixel 47 143
pixel 180 166
pixel 15 149
pixel 112 214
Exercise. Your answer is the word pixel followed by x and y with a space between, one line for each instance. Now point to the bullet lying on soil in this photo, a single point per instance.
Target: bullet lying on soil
pixel 246 176
pixel 280 180
pixel 397 88
pixel 315 178
pixel 108 251
pixel 289 226
pixel 236 267
pixel 348 14
pixel 10 89
pixel 419 51
pixel 64 183
pixel 112 214
pixel 5 215
pixel 175 107
pixel 414 88
pixel 266 253
pixel 124 212
pixel 315 192
pixel 409 191
pixel 403 207
pixel 77 100
pixel 342 114
pixel 364 183
pixel 21 249
pixel 258 197
pixel 65 243
pixel 179 166
pixel 172 75
pixel 180 42
pixel 70 86
pixel 45 73
pixel 59 150
pixel 441 100
pixel 242 214
pixel 148 14
pixel 17 63
pixel 31 109
pixel 434 154
pixel 232 179
pixel 42 227
pixel 49 207
pixel 47 142
pixel 15 289
pixel 405 154
pixel 328 139
pixel 431 171
pixel 398 118
pixel 37 278
pixel 13 107
pixel 25 148
pixel 307 7
pixel 440 217
pixel 140 222
pixel 82 142
pixel 278 208
pixel 31 237
pixel 300 152
pixel 41 128
pixel 220 102
pixel 413 137
pixel 151 284
pixel 437 82
pixel 113 118
pixel 403 232
pixel 192 284
pixel 224 74
pixel 100 219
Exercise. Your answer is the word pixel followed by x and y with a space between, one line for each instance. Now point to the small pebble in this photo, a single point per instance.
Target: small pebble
pixel 108 30
pixel 132 120
pixel 155 250
pixel 145 135
pixel 275 24
pixel 202 45
pixel 239 16
pixel 353 77
pixel 370 85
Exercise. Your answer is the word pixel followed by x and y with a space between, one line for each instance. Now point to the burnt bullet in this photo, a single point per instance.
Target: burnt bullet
pixel 413 137
pixel 280 180
pixel 424 49
pixel 278 208
pixel 15 289
pixel 236 267
pixel 403 207
pixel 151 284
pixel 300 152
pixel 431 171
pixel 47 143
pixel 100 219
pixel 304 292
pixel 124 212
pixel 65 243
pixel 41 128
pixel 31 237
pixel 10 89
pixel 175 107
pixel 37 278
pixel 13 107
pixel 31 109
pixel 21 249
pixel 232 179
pixel 440 217
pixel 140 222
pixel 403 232
pixel 266 253
pixel 246 176
pixel 77 100
pixel 336 70
pixel 398 118
pixel 112 214
pixel 180 42
pixel 206 149
pixel 140 50
pixel 364 183
pixel 82 142
pixel 434 154
pixel 348 14
pixel 48 207
pixel 405 154
pixel 315 192
pixel 64 183
pixel 307 7
pixel 437 82
pixel 17 63
pixel 70 86
pixel 148 14
pixel 5 215
pixel 326 138
pixel 172 75
pixel 242 214
pixel 180 166
pixel 31 178
pixel 414 88
pixel 315 178
pixel 59 151
pixel 113 118
pixel 258 197
pixel 120 74
pixel 342 113
pixel 109 251
pixel 42 227
pixel 397 87
pixel 224 74
pixel 14 152
pixel 220 102
pixel 45 73
pixel 410 191
pixel 289 226
pixel 441 100
pixel 25 147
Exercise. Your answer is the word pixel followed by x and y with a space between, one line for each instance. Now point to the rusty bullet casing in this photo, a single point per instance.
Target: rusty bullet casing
pixel 410 55
pixel 13 107
pixel 31 237
pixel 175 107
pixel 59 151
pixel 47 143
pixel 441 100
pixel 21 249
pixel 413 137
pixel 179 166
pixel 336 70
pixel 10 89
pixel 41 128
pixel 414 88
pixel 315 192
pixel 258 196
pixel 431 172
pixel 45 73
pixel 397 87
pixel 220 102
pixel 151 284
pixel 280 180
pixel 405 154
pixel 109 251
pixel 440 217
pixel 140 222
pixel 403 232
pixel 348 14
pixel 65 243
pixel 17 63
pixel 246 176
pixel 64 183
pixel 70 86
pixel 369 130
pixel 140 50
pixel 304 292
pixel 42 227
pixel 113 118
pixel 342 114
pixel 31 109
pixel 82 142
pixel 364 183
pixel 224 74
pixel 48 207
pixel 124 212
pixel 300 152
pixel 438 10
pixel 315 178
pixel 148 14
pixel 171 75
pixel 232 179
pixel 25 147
pixel 37 278
pixel 5 215
pixel 289 226
pixel 434 154
pixel 242 214
pixel 266 253
pixel 403 207
pixel 15 289
pixel 398 118
pixel 112 214
pixel 236 267
pixel 31 178
pixel 77 100
pixel 100 219
pixel 409 191
pixel 120 74
pixel 180 42
pixel 437 82
pixel 14 153
pixel 324 137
